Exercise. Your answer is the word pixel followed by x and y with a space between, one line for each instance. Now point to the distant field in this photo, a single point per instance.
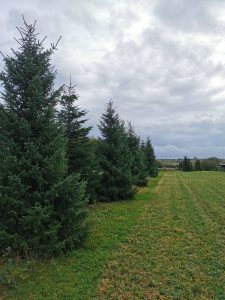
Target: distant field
pixel 169 163
pixel 168 243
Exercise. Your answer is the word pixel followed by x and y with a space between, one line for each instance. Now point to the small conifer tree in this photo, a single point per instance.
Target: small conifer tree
pixel 152 165
pixel 116 182
pixel 187 165
pixel 79 147
pixel 72 117
pixel 138 166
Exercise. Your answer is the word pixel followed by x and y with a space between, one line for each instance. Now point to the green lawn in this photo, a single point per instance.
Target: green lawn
pixel 177 248
pixel 76 276
pixel 168 243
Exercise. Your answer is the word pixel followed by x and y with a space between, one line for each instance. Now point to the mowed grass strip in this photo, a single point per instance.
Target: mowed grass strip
pixel 177 248
pixel 76 276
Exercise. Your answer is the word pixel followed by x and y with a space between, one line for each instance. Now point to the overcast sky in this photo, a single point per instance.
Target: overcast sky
pixel 162 62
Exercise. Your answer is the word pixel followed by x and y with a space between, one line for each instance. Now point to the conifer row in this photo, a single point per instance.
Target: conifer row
pixel 49 166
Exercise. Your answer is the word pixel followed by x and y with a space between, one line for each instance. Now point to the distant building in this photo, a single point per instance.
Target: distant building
pixel 222 166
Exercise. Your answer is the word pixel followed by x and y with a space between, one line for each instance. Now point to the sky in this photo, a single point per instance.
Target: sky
pixel 161 62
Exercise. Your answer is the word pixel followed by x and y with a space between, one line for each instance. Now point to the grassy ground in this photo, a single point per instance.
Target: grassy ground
pixel 177 248
pixel 76 276
pixel 168 243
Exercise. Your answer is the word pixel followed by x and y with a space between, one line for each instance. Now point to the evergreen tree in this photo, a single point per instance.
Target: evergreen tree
pixel 187 165
pixel 73 119
pixel 116 182
pixel 138 166
pixel 94 175
pixel 143 146
pixel 197 166
pixel 152 166
pixel 78 147
pixel 41 208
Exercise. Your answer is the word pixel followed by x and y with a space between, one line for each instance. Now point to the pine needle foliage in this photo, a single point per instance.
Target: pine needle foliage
pixel 186 165
pixel 115 160
pixel 152 165
pixel 138 166
pixel 41 208
pixel 73 119
pixel 79 147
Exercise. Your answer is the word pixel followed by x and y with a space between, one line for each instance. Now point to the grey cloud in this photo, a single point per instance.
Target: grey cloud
pixel 190 15
pixel 163 77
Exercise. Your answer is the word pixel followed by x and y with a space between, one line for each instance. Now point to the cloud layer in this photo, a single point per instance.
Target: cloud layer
pixel 162 62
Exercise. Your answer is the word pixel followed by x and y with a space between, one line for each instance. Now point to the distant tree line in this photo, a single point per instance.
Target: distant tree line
pixel 208 164
pixel 49 166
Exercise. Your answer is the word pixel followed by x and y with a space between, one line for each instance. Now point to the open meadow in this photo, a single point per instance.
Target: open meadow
pixel 168 243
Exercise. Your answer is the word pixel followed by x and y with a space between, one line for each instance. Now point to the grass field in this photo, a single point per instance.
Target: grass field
pixel 177 249
pixel 168 243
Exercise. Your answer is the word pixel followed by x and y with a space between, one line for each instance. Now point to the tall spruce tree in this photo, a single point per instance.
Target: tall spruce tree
pixel 72 117
pixel 151 159
pixel 41 208
pixel 116 182
pixel 79 147
pixel 138 166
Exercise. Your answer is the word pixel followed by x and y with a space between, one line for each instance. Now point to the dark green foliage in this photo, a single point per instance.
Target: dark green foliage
pixel 94 175
pixel 186 165
pixel 152 165
pixel 116 182
pixel 41 208
pixel 138 166
pixel 73 119
pixel 197 165
pixel 154 170
pixel 79 150
pixel 140 170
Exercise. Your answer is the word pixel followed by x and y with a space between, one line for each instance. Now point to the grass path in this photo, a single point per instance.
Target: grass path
pixel 177 248
pixel 76 276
